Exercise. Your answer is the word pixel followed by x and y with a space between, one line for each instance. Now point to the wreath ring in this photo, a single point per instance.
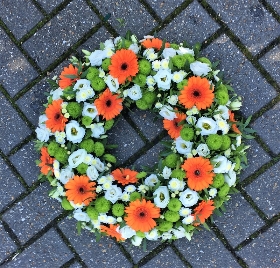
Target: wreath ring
pixel 194 176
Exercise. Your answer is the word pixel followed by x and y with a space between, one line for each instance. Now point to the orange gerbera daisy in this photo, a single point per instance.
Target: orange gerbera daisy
pixel 56 121
pixel 198 173
pixel 68 76
pixel 154 43
pixel 231 116
pixel 80 190
pixel 140 215
pixel 125 176
pixel 46 161
pixel 111 231
pixel 109 105
pixel 123 65
pixel 172 125
pixel 203 211
pixel 235 129
pixel 197 92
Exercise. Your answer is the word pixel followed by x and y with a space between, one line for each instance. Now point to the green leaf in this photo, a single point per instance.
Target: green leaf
pixel 79 227
pixel 128 35
pixel 162 47
pixel 52 84
pixel 71 76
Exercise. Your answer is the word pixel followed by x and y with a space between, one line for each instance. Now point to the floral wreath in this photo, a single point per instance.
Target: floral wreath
pixel 195 174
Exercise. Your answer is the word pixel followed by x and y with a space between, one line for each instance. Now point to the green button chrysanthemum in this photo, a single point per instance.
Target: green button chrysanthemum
pixel 142 105
pixel 224 190
pixel 52 148
pixel 187 133
pixel 214 141
pixel 118 209
pixel 86 120
pixel 92 213
pixel 109 124
pixel 171 216
pixel 105 64
pixel 102 205
pixel 99 148
pixel 97 83
pixel 165 226
pixel 92 72
pixel 171 160
pixel 181 84
pixel 149 97
pixel 74 109
pixel 61 155
pixel 82 168
pixel 145 66
pixel 140 80
pixel 88 145
pixel 134 196
pixel 222 97
pixel 178 174
pixel 218 181
pixel 174 204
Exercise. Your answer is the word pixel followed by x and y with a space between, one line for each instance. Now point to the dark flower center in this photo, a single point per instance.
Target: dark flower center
pixel 124 66
pixel 197 172
pixel 57 116
pixel 196 93
pixel 142 214
pixel 82 190
pixel 108 103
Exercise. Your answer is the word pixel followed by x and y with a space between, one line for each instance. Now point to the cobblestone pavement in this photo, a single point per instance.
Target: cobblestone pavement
pixel 37 37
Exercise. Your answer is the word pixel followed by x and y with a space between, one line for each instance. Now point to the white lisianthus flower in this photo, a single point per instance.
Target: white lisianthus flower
pixel 223 111
pixel 81 84
pixel 238 140
pixel 163 79
pixel 222 125
pixel 79 215
pixel 108 52
pixel 88 159
pixel 182 146
pixel 97 130
pixel 112 83
pixel 136 240
pixel 43 134
pixel 135 48
pixel 156 65
pixel 177 77
pixel 134 92
pixel 66 174
pixel 168 52
pixel 221 164
pixel 174 184
pixel 152 235
pixel 162 197
pixel 151 180
pixel 235 105
pixel 96 162
pixel 167 112
pixel 74 132
pixel 191 120
pixel 199 68
pixel 109 44
pixel 213 192
pixel 188 220
pixel 117 40
pixel 202 150
pixel 189 198
pixel 166 172
pixel 126 232
pixel 77 157
pixel 184 212
pixel 185 50
pixel 92 173
pixel 42 119
pixel 56 94
pixel 130 188
pixel 89 110
pixel 96 57
pixel 150 81
pixel 113 194
pixel 230 177
pixel 173 99
pixel 207 126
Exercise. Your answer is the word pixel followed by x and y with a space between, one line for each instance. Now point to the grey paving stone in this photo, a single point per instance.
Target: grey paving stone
pixel 136 17
pixel 16 71
pixel 256 158
pixel 166 258
pixel 102 254
pixel 249 20
pixel 11 188
pixel 264 251
pixel 271 62
pixel 32 213
pixel 164 8
pixel 151 157
pixel 12 128
pixel 244 78
pixel 20 16
pixel 265 191
pixel 239 220
pixel 275 4
pixel 206 250
pixel 93 42
pixel 47 251
pixel 7 244
pixel 49 5
pixel 71 24
pixel 75 265
pixel 137 253
pixel 268 128
pixel 24 162
pixel 148 123
pixel 192 25
pixel 31 103
pixel 123 135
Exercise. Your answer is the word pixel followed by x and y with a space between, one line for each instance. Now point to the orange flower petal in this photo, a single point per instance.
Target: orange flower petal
pixel 203 211
pixel 172 125
pixel 125 176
